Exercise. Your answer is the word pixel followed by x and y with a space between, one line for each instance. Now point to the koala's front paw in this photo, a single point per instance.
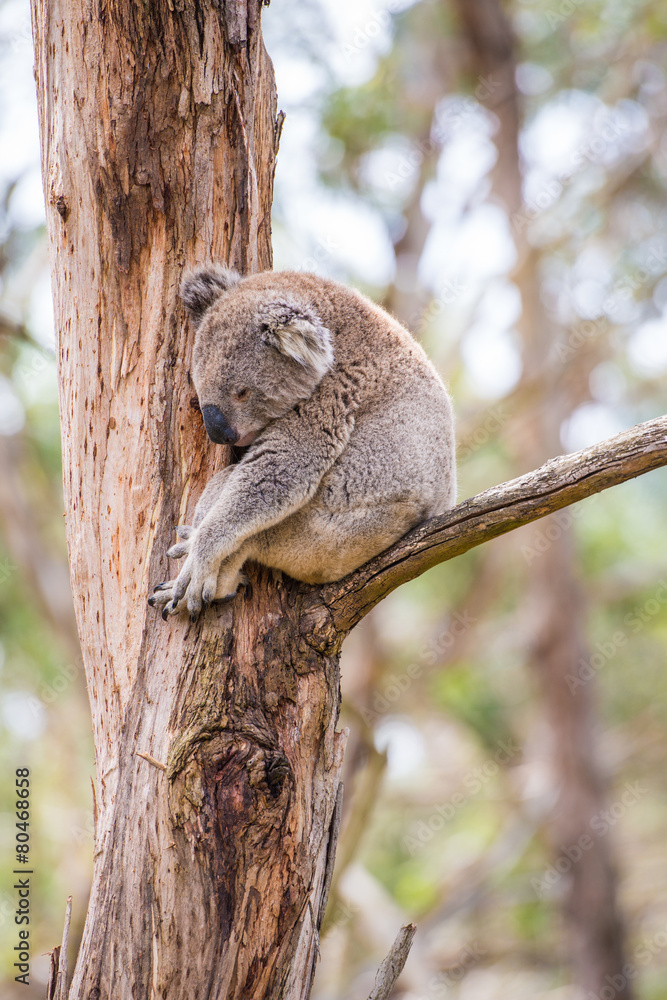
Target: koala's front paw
pixel 169 595
pixel 194 587
pixel 227 589
pixel 228 579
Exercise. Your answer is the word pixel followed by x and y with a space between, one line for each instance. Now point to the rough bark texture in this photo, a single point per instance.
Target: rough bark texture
pixel 157 126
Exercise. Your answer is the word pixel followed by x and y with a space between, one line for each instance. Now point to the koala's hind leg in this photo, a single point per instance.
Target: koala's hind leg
pixel 231 575
pixel 320 545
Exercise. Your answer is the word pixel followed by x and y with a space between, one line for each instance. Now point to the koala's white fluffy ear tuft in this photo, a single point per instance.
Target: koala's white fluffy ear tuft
pixel 298 333
pixel 203 286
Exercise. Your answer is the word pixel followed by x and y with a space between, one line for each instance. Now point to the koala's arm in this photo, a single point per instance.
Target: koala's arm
pixel 276 479
pixel 212 494
pixel 279 474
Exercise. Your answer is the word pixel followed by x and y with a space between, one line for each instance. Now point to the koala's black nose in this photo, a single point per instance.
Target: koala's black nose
pixel 217 427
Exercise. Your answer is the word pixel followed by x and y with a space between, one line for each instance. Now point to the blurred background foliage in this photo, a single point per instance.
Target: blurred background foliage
pixel 496 175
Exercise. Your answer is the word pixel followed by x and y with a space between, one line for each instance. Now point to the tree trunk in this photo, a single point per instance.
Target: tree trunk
pixel 157 129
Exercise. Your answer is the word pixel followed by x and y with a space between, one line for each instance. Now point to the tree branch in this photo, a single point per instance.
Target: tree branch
pixel 560 482
pixel 393 964
pixel 57 987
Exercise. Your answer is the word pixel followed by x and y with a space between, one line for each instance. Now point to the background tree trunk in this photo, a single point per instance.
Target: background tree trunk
pixel 557 646
pixel 157 130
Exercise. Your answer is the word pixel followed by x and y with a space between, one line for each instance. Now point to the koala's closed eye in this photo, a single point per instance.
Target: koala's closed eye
pixel 241 393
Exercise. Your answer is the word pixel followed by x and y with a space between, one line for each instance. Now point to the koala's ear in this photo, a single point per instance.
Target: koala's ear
pixel 202 287
pixel 298 333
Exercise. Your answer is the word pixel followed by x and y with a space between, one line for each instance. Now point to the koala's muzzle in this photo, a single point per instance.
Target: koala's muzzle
pixel 217 427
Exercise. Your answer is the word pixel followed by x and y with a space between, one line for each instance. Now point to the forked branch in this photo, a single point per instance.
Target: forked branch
pixel 560 482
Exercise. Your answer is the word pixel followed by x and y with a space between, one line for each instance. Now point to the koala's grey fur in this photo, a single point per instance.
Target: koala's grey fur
pixel 350 432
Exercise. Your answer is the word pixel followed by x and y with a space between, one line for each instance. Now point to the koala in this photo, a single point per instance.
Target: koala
pixel 347 429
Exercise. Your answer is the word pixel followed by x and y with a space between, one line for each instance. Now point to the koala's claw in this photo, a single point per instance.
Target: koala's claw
pixel 180 587
pixel 168 609
pixel 162 599
pixel 161 593
pixel 160 596
pixel 209 590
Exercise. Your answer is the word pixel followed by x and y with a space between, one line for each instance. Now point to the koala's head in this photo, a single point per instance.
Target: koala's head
pixel 258 351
